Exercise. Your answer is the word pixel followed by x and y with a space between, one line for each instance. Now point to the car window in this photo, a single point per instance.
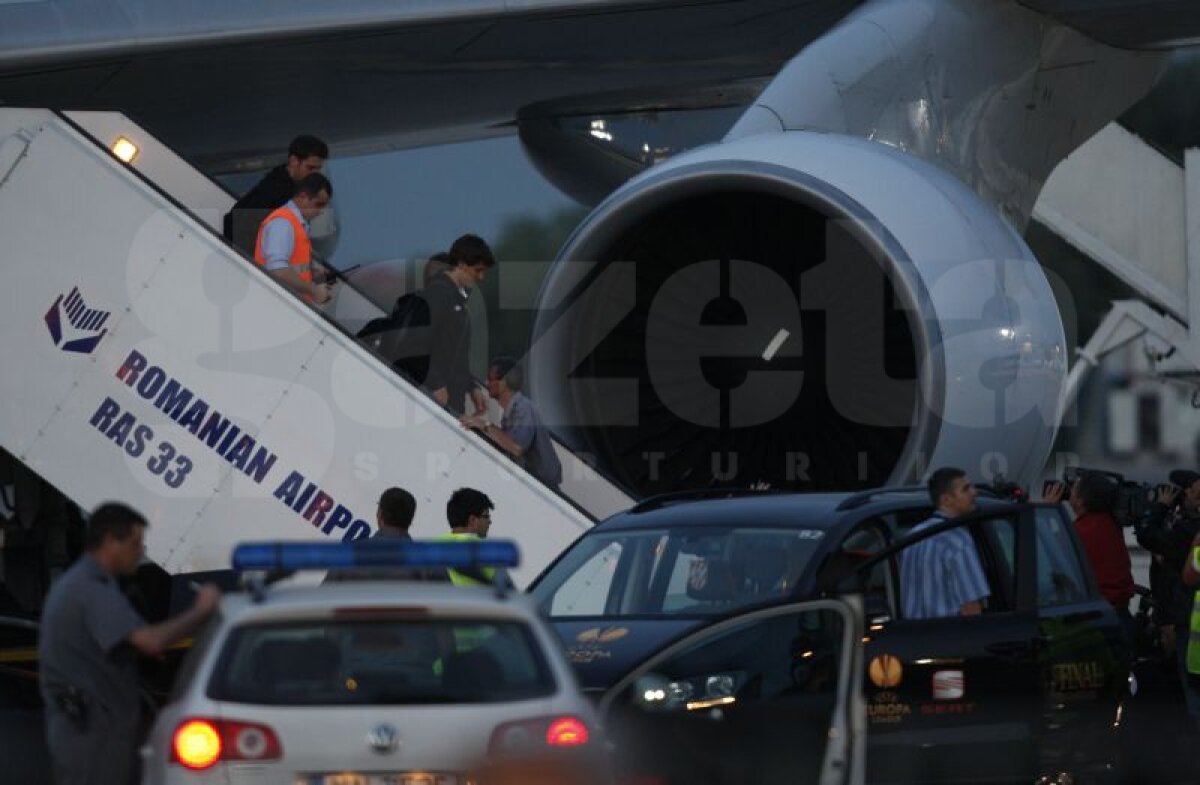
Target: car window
pixel 585 591
pixel 195 655
pixel 683 571
pixel 858 546
pixel 374 662
pixel 754 703
pixel 1059 577
pixel 998 537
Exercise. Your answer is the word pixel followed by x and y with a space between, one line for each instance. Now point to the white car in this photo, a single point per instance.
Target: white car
pixel 374 683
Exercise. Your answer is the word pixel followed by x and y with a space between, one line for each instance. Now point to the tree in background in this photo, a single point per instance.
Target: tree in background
pixel 524 248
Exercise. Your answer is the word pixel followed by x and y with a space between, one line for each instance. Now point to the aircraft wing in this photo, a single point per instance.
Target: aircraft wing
pixel 228 83
pixel 1130 24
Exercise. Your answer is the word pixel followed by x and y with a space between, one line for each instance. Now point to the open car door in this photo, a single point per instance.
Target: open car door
pixel 771 696
pixel 949 697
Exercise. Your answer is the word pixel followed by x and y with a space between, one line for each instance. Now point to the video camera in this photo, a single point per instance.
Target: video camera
pixel 1130 501
pixel 1003 488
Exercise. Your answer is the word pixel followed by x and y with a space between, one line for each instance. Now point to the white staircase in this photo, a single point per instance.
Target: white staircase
pixel 147 361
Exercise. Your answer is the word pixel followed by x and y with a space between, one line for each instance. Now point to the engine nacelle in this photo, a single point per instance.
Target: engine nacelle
pixel 805 309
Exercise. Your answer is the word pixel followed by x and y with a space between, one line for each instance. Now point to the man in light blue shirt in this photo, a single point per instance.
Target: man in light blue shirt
pixel 941 575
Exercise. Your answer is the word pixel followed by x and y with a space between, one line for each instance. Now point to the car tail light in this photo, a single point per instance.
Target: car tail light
pixel 538 735
pixel 567 732
pixel 200 743
pixel 197 744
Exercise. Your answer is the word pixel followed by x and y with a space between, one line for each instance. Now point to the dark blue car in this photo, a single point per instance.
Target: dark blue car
pixel 1032 687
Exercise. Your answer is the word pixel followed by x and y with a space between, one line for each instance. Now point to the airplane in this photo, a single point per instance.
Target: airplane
pixel 835 295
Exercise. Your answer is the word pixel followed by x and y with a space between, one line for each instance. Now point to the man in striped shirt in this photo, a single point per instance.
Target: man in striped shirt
pixel 941 575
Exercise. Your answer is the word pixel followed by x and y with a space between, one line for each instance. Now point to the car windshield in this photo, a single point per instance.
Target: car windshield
pixel 682 571
pixel 374 662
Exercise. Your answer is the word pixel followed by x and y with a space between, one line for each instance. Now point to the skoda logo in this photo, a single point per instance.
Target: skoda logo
pixel 383 739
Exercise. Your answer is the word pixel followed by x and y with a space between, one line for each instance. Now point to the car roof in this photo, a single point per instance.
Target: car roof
pixel 281 603
pixel 826 511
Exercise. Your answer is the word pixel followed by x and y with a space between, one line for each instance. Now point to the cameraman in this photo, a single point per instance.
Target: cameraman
pixel 1092 499
pixel 1167 531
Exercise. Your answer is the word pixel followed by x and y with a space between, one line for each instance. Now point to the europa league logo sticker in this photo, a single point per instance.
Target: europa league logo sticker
pixel 886 671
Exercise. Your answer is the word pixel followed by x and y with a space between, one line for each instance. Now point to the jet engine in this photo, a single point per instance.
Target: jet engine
pixel 804 309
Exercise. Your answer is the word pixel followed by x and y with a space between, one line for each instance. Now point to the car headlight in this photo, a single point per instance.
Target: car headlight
pixel 655 692
pixel 719 686
pixel 679 691
pixel 709 687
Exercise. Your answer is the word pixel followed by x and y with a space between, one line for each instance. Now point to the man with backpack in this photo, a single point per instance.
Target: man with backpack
pixel 427 337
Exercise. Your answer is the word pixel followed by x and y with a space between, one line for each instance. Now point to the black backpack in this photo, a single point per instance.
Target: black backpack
pixel 402 338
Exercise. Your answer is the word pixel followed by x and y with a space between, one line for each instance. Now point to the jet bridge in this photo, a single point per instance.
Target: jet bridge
pixel 146 361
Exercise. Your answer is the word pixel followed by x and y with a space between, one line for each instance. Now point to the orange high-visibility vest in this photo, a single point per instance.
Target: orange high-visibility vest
pixel 301 246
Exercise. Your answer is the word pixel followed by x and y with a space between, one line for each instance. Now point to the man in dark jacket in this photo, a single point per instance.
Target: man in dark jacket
pixel 394 516
pixel 449 377
pixel 1167 531
pixel 306 155
pixel 427 337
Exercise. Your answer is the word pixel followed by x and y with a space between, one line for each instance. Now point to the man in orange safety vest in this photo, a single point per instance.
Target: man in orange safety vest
pixel 283 247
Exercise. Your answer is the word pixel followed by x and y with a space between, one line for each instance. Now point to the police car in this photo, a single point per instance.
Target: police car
pixel 1033 687
pixel 375 683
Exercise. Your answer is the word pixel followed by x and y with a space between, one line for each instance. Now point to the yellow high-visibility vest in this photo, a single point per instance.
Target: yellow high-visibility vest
pixel 484 575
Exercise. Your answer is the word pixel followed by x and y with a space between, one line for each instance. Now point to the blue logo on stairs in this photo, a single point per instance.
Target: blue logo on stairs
pixel 83 328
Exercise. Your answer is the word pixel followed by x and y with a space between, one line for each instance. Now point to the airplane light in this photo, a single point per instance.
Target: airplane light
pixel 125 150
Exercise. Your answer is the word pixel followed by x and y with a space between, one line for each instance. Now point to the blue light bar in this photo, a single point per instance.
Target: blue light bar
pixel 304 555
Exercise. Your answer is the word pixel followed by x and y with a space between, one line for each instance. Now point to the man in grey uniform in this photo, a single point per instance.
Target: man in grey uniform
pixel 88 647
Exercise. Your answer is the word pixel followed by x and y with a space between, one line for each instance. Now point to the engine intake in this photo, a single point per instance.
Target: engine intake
pixel 804 309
